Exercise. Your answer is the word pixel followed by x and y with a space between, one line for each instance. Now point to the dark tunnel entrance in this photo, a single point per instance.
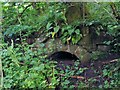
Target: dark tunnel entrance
pixel 63 56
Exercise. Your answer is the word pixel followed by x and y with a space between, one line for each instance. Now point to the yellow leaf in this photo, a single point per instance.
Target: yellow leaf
pixel 53 34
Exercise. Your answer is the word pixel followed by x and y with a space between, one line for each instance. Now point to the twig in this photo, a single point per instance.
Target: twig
pixel 76 77
pixel 114 60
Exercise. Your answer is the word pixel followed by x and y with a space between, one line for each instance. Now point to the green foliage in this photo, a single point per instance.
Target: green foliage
pixel 66 78
pixel 101 12
pixel 114 30
pixel 24 68
pixel 97 55
pixel 112 75
pixel 69 33
pixel 18 29
pixel 27 68
pixel 52 18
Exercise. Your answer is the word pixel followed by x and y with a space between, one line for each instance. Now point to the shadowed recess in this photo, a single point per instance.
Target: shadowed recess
pixel 62 56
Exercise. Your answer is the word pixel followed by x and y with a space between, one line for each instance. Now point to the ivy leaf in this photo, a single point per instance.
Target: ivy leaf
pixel 77 31
pixel 48 26
pixel 66 82
pixel 39 68
pixel 56 29
pixel 107 42
pixel 105 72
pixel 73 40
pixel 70 31
pixel 42 67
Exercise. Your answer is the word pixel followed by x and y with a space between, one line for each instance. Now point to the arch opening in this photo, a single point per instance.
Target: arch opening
pixel 63 56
